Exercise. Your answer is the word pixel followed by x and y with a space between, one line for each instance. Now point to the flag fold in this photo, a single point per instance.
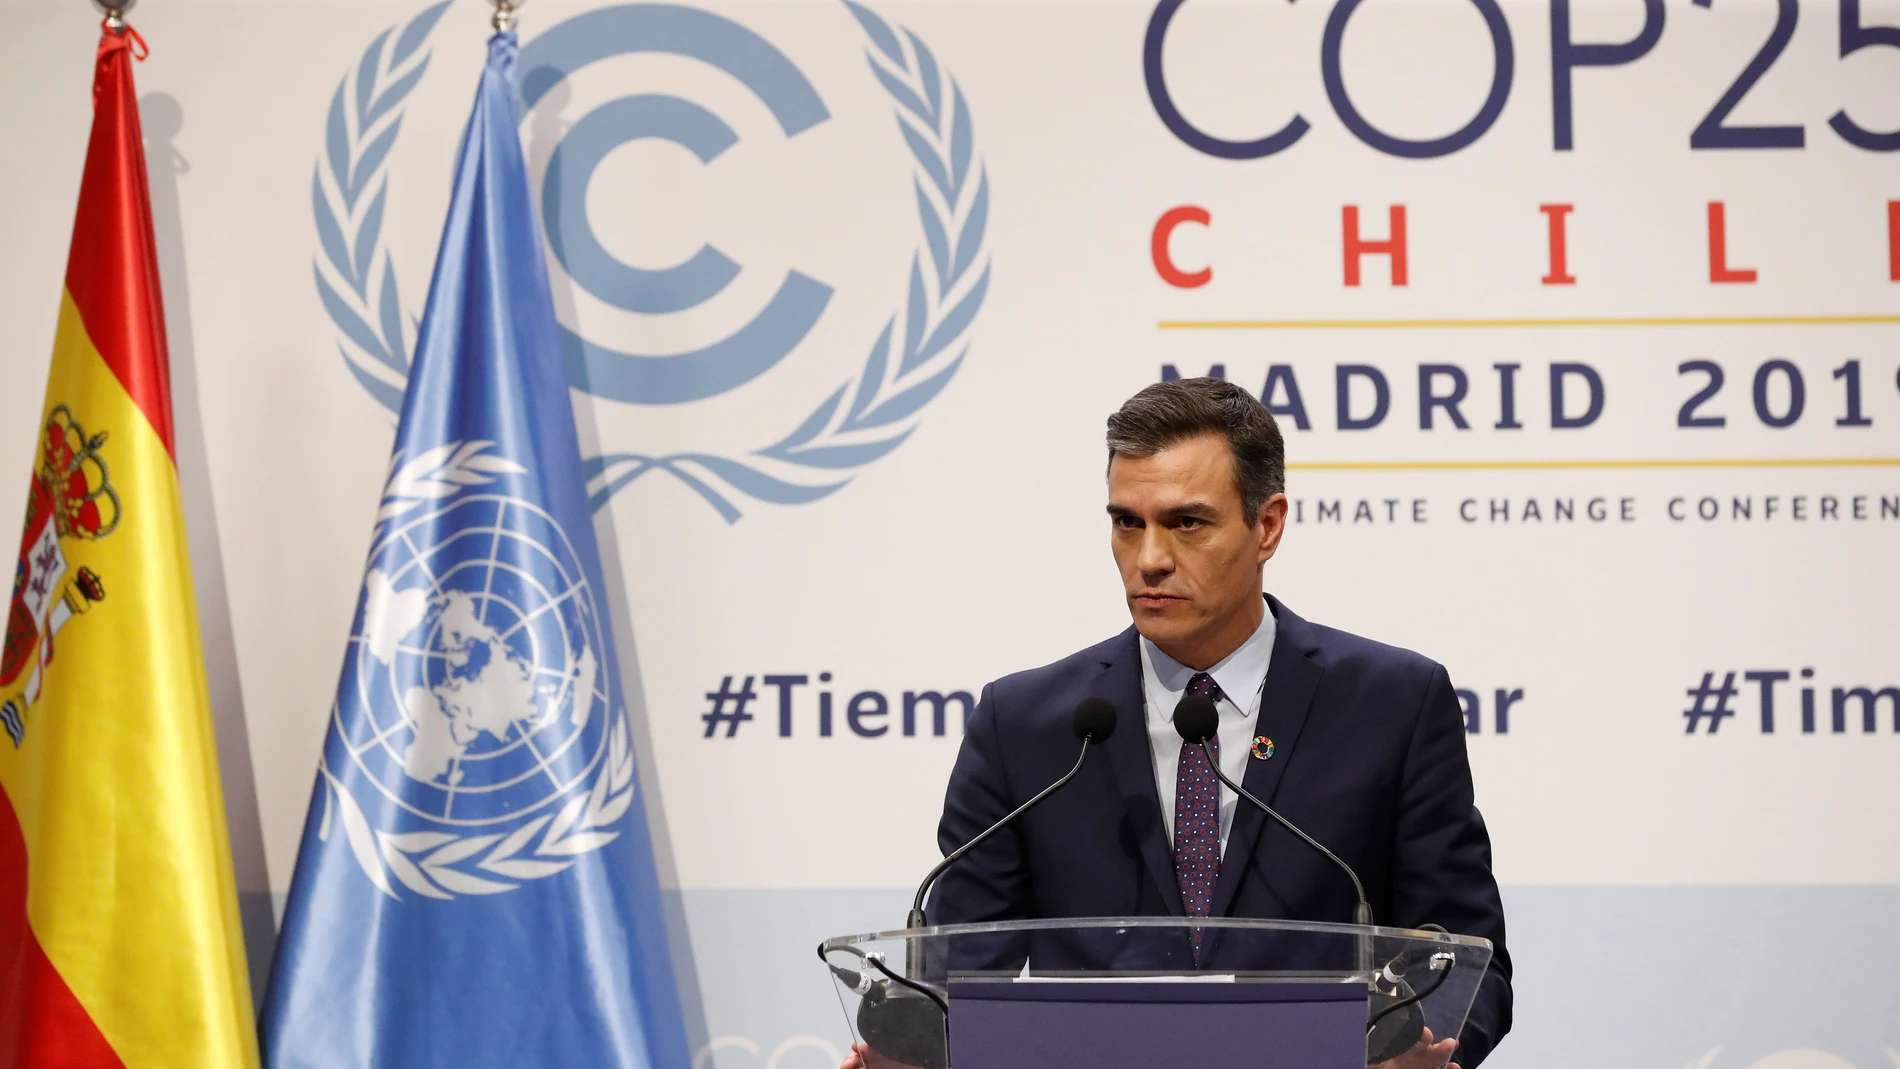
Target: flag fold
pixel 476 883
pixel 119 937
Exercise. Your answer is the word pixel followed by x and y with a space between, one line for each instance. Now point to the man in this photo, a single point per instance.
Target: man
pixel 1367 749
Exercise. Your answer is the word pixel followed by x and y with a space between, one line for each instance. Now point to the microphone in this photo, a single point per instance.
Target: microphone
pixel 1196 720
pixel 1092 721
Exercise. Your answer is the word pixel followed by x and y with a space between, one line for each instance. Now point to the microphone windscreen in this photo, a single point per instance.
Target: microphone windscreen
pixel 1094 718
pixel 1196 719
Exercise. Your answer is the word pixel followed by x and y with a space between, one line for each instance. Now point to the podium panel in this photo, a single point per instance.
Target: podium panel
pixel 1088 1025
pixel 1141 991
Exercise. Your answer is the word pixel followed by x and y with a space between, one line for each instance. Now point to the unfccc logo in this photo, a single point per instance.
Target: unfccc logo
pixel 916 351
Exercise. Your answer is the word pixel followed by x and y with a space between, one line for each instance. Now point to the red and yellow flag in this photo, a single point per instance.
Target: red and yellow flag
pixel 119 938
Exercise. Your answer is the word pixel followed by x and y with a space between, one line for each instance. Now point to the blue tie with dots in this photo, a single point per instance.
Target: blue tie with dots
pixel 1197 816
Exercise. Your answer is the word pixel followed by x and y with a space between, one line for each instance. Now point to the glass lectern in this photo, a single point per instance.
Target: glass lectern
pixel 1151 991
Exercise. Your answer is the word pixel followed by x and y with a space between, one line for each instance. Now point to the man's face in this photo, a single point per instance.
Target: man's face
pixel 1190 562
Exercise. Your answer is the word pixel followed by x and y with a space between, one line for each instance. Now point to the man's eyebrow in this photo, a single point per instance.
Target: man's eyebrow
pixel 1192 509
pixel 1188 510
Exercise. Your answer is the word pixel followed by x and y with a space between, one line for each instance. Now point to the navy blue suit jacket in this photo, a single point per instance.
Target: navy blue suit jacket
pixel 1369 758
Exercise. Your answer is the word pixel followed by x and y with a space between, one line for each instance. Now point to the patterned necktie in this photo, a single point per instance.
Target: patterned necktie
pixel 1197 816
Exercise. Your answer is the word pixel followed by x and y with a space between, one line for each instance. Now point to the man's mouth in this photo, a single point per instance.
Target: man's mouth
pixel 1154 599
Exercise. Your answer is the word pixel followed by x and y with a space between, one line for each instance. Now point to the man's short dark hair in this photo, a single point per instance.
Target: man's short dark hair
pixel 1171 412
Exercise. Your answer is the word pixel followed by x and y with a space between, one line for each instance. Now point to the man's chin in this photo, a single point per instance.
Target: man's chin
pixel 1160 620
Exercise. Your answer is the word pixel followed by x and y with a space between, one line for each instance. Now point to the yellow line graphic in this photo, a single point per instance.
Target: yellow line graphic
pixel 1598 465
pixel 1571 321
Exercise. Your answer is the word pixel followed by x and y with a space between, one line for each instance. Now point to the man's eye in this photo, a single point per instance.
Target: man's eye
pixel 1188 523
pixel 1127 523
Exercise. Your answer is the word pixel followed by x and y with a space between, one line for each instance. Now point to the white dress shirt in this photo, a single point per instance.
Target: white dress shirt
pixel 1240 676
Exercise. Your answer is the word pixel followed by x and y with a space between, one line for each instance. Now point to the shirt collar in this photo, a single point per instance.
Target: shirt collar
pixel 1239 675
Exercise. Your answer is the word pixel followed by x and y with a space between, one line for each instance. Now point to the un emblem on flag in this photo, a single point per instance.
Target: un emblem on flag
pixel 476 713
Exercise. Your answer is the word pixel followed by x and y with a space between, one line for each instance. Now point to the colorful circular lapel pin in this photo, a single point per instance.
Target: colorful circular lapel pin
pixel 1262 747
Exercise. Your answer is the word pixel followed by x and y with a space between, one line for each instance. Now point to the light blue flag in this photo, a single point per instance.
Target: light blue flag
pixel 476 883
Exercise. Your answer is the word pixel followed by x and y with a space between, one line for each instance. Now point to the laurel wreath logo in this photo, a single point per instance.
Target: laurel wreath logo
pixel 441 473
pixel 917 353
pixel 915 356
pixel 356 276
pixel 437 864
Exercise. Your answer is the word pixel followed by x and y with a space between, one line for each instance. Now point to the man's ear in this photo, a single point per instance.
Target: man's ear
pixel 1271 523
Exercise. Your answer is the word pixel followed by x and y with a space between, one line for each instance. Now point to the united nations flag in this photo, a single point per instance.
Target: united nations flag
pixel 476 883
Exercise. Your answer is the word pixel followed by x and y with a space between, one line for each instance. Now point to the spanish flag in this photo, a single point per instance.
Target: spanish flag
pixel 119 939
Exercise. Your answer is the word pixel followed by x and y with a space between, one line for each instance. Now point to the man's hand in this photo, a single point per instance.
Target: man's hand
pixel 1425 1054
pixel 863 1057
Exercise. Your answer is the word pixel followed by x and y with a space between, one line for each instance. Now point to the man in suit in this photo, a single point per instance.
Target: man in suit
pixel 1366 740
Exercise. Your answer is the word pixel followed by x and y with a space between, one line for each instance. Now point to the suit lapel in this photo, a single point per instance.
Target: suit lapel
pixel 1293 677
pixel 1133 762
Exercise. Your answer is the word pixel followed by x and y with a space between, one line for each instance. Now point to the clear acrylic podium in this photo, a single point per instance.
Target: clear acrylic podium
pixel 1102 993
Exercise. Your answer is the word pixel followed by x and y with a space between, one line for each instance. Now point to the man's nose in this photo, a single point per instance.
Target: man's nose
pixel 1155 559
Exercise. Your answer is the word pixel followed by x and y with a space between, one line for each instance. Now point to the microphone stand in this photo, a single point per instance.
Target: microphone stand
pixel 914 948
pixel 1361 913
pixel 916 918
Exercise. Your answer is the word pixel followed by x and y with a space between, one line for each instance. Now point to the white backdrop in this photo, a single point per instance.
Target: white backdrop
pixel 1681 890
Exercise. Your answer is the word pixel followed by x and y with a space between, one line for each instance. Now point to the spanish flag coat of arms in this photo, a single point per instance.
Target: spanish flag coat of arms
pixel 119 937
